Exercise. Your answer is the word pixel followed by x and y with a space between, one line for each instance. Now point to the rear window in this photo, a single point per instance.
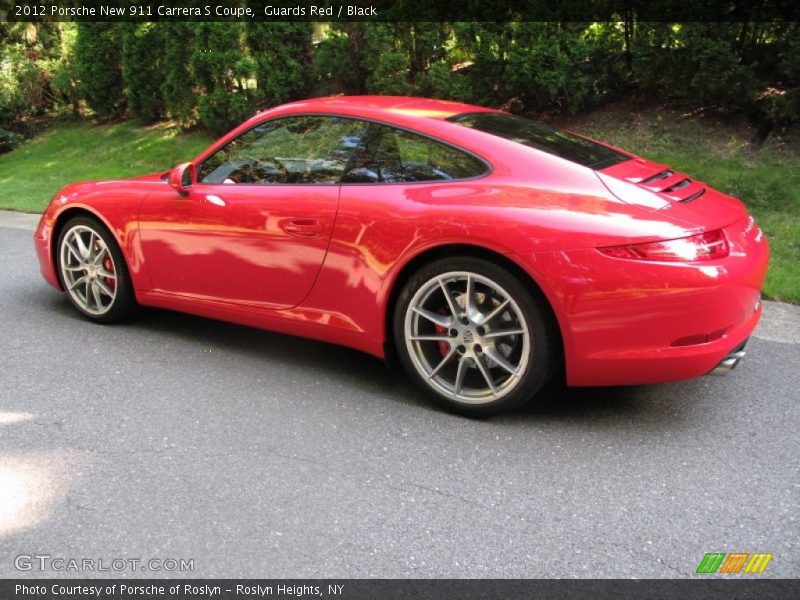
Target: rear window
pixel 537 135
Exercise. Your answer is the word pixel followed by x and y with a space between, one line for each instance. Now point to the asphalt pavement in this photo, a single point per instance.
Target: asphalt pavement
pixel 254 454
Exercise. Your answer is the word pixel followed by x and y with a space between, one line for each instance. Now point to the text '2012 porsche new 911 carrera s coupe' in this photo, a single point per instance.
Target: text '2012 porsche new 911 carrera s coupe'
pixel 484 250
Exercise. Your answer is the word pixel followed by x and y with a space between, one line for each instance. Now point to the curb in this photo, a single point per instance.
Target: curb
pixel 780 322
pixel 19 220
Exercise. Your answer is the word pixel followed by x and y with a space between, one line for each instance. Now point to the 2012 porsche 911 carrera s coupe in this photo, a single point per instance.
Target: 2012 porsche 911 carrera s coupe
pixel 483 250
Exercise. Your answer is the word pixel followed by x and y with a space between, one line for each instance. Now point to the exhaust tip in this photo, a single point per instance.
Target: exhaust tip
pixel 729 363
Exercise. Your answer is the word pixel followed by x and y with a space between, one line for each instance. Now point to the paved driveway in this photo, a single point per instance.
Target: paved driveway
pixel 257 454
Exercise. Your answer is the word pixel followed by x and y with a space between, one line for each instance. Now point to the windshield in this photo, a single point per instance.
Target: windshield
pixel 537 135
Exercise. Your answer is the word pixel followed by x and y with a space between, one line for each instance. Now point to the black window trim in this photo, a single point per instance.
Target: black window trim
pixel 488 166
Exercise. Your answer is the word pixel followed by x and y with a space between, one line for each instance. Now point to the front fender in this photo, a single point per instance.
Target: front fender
pixel 115 204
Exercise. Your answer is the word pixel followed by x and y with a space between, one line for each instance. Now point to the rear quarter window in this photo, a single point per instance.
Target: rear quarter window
pixel 390 155
pixel 530 133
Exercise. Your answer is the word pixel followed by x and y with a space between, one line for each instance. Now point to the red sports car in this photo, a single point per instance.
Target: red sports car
pixel 482 249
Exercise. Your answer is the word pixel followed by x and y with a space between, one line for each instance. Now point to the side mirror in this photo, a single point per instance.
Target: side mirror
pixel 182 178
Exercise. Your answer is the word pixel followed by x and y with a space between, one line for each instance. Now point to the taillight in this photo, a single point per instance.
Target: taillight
pixel 705 246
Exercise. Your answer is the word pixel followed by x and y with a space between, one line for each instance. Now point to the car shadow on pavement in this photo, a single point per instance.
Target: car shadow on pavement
pixel 368 374
pixel 557 401
pixel 292 353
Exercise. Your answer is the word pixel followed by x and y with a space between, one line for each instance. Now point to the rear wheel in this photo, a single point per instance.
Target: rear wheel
pixel 93 272
pixel 473 336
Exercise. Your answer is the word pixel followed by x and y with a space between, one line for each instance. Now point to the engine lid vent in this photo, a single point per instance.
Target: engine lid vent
pixel 667 183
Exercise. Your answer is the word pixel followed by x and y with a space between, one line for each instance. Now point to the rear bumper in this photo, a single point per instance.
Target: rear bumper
pixel 627 322
pixel 657 364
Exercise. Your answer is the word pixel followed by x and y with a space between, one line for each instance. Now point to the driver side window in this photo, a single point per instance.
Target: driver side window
pixel 295 150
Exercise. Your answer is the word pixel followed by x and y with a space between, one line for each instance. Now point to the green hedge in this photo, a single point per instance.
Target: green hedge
pixel 216 74
pixel 98 52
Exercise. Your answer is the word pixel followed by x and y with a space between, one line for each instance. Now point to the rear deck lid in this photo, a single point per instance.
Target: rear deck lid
pixel 668 183
pixel 662 188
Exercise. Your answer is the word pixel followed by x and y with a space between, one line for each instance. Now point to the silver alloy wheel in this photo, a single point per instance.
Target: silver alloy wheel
pixel 467 337
pixel 88 270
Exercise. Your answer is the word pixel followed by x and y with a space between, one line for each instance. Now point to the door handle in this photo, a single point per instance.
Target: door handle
pixel 305 228
pixel 215 200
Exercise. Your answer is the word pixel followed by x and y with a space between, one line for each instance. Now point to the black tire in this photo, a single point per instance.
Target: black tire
pixel 543 356
pixel 123 303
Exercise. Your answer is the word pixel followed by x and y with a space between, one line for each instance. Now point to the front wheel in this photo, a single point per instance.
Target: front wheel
pixel 93 271
pixel 473 336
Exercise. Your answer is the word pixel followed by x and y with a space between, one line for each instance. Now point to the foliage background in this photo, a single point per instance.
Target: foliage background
pixel 217 73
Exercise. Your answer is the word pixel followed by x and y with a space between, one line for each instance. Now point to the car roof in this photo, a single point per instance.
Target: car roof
pixel 390 105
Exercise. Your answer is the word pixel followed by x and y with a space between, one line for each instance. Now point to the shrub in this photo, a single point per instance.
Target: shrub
pixel 64 72
pixel 281 53
pixel 486 46
pixel 441 81
pixel 694 62
pixel 717 78
pixel 390 75
pixel 546 66
pixel 383 58
pixel 21 85
pixel 98 52
pixel 225 75
pixel 9 140
pixel 142 69
pixel 221 110
pixel 178 85
pixel 338 62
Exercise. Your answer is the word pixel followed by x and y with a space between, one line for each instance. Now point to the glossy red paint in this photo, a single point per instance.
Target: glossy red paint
pixel 322 261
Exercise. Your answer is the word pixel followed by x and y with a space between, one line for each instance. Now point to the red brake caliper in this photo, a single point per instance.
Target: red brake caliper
pixel 109 266
pixel 444 347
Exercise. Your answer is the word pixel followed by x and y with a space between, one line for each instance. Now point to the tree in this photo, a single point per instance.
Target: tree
pixel 224 73
pixel 98 61
pixel 27 54
pixel 64 75
pixel 486 46
pixel 339 59
pixel 282 53
pixel 178 85
pixel 386 61
pixel 142 68
pixel 547 67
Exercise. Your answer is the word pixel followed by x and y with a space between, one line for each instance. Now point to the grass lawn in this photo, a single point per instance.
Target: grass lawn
pixel 766 178
pixel 75 151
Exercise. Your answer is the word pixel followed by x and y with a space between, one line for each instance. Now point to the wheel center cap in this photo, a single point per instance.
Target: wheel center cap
pixel 468 336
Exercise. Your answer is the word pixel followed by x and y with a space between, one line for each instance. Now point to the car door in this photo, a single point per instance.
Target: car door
pixel 255 227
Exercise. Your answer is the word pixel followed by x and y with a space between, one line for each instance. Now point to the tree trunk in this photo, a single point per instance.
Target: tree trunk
pixel 628 29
